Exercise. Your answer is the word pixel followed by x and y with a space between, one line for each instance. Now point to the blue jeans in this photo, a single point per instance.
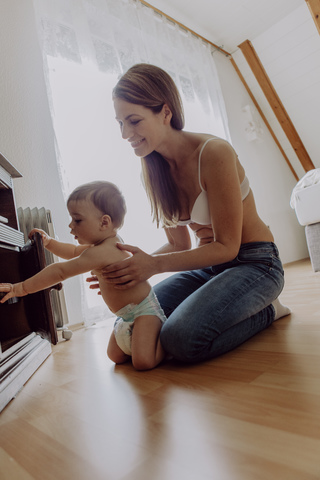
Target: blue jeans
pixel 215 309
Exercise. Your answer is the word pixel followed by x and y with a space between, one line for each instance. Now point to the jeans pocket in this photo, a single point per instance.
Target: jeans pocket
pixel 264 253
pixel 256 256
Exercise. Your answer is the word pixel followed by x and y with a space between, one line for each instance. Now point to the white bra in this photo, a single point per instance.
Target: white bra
pixel 200 211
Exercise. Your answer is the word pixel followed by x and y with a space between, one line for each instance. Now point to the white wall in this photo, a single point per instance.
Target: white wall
pixel 26 133
pixel 290 53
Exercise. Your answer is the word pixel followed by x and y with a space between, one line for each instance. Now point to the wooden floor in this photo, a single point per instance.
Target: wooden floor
pixel 253 414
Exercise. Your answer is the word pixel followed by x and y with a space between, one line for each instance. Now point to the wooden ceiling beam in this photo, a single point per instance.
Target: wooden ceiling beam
pixel 314 7
pixel 271 95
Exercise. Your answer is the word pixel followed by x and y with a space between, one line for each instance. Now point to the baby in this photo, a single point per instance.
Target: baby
pixel 97 210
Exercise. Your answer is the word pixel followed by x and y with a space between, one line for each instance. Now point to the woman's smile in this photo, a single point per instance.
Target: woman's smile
pixel 137 143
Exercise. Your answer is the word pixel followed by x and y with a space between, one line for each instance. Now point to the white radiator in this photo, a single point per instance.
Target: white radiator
pixel 41 218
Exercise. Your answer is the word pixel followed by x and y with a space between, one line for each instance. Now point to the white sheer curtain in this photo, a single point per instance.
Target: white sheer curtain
pixel 87 45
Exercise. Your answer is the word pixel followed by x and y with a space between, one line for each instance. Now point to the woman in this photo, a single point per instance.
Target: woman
pixel 223 292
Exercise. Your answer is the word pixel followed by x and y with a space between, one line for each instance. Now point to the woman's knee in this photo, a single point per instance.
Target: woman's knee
pixel 178 343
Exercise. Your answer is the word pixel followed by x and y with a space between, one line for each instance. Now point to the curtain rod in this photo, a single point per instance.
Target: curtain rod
pixel 219 49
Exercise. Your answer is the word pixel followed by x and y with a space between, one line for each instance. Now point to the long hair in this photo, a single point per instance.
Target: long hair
pixel 152 87
pixel 105 196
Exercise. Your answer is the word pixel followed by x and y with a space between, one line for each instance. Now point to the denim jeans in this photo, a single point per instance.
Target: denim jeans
pixel 213 310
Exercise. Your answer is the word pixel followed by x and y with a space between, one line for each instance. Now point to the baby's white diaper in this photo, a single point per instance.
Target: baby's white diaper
pixel 126 316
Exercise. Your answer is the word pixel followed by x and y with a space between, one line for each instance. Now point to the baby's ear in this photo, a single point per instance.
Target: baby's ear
pixel 106 221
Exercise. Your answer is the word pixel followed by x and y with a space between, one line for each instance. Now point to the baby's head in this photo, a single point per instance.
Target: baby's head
pixel 105 196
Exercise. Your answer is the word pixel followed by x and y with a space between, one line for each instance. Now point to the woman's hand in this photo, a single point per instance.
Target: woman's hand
pixel 45 237
pixel 131 271
pixel 95 285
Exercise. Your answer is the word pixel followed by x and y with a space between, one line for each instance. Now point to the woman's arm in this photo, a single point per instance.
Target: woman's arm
pixel 142 265
pixel 60 249
pixel 220 179
pixel 178 240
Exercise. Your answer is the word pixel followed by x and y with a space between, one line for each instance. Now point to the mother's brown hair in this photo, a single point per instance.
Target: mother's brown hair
pixel 152 87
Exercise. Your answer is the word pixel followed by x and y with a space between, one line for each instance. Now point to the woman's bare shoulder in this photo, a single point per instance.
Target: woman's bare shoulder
pixel 218 149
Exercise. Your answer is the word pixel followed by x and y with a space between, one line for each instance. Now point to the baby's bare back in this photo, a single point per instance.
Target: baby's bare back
pixel 115 298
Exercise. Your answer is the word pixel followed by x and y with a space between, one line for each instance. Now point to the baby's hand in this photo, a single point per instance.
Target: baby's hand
pixel 9 291
pixel 45 237
pixel 6 292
